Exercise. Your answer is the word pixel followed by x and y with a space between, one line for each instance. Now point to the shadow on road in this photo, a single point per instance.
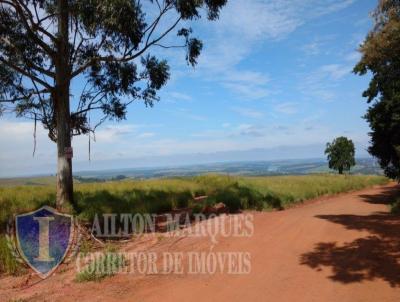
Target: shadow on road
pixel 376 256
pixel 386 197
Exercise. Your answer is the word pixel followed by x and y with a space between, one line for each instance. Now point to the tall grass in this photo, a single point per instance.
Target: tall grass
pixel 294 189
pixel 8 264
pixel 161 195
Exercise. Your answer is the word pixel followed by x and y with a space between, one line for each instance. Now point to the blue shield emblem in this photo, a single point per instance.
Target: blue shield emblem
pixel 43 238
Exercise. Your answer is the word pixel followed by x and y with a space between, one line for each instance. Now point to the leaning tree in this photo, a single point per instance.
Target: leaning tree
pixel 46 44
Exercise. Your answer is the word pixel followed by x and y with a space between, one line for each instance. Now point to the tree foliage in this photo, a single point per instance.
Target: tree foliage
pixel 380 57
pixel 340 154
pixel 108 43
pixel 102 47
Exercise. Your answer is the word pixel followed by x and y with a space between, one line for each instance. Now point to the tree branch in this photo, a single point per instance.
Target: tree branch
pixel 36 25
pixel 27 74
pixel 29 30
pixel 127 58
pixel 28 62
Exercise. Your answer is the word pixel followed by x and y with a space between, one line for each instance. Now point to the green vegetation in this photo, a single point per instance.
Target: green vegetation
pixel 380 60
pixel 28 181
pixel 341 154
pixel 160 195
pixel 8 264
pixel 105 265
pixel 395 207
pixel 38 62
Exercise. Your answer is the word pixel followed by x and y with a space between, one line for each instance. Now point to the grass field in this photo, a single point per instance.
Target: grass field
pixel 161 195
pixel 27 181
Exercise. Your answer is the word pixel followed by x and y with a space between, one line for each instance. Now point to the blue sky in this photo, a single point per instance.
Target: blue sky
pixel 273 75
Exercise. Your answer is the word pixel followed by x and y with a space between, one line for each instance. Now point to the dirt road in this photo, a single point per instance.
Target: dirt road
pixel 343 248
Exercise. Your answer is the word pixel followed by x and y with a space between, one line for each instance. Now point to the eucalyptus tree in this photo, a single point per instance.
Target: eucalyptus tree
pixel 47 45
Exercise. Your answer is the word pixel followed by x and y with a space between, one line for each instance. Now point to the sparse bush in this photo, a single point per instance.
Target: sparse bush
pixel 230 197
pixel 250 198
pixel 395 207
pixel 106 265
pixel 273 201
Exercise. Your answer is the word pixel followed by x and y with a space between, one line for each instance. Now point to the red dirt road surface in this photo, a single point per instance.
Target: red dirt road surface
pixel 343 248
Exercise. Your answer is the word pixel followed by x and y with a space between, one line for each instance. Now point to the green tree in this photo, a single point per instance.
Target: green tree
pixel 380 57
pixel 48 45
pixel 340 154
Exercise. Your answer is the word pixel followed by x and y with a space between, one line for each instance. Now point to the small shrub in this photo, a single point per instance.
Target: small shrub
pixel 230 197
pixel 395 207
pixel 273 201
pixel 105 265
pixel 250 198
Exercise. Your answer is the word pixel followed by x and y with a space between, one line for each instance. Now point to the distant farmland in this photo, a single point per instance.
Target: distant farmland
pixel 366 166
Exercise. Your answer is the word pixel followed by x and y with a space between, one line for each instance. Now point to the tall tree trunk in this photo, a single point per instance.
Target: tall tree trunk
pixel 340 170
pixel 62 110
pixel 64 163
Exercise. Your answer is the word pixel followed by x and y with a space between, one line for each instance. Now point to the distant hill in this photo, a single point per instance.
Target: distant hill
pixel 27 181
pixel 249 168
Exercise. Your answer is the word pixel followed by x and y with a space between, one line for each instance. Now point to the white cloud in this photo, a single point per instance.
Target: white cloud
pixel 312 48
pixel 243 25
pixel 175 95
pixel 286 108
pixel 247 112
pixel 146 135
pixel 321 83
pixel 329 6
pixel 253 20
pixel 335 71
pixel 187 114
pixel 248 84
pixel 112 132
pixel 17 144
pixel 17 158
pixel 353 57
pixel 246 77
pixel 251 130
pixel 248 92
pixel 320 44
